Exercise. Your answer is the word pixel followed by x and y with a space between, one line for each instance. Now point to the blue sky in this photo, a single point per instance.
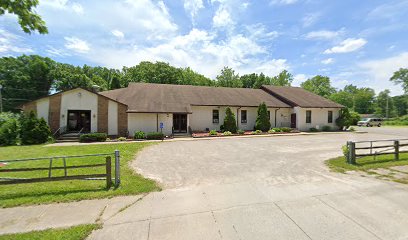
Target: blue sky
pixel 352 42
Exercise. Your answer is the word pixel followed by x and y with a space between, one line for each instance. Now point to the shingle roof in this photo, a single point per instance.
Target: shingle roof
pixel 296 96
pixel 168 98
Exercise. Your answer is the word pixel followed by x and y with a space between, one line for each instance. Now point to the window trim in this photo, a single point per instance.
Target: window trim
pixel 217 119
pixel 246 116
pixel 330 116
pixel 309 118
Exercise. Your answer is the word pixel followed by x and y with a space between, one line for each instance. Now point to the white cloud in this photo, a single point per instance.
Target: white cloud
pixel 11 43
pixel 283 2
pixel 381 70
pixel 310 19
pixel 298 79
pixel 77 8
pixel 222 18
pixel 192 7
pixel 118 34
pixel 76 44
pixel 328 61
pixel 348 45
pixel 260 32
pixel 64 5
pixel 52 51
pixel 324 34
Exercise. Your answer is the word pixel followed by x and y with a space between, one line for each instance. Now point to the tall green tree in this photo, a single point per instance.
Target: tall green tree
pixel 230 123
pixel 401 104
pixel 28 19
pixel 284 78
pixel 384 104
pixel 401 77
pixel 262 120
pixel 228 78
pixel 320 85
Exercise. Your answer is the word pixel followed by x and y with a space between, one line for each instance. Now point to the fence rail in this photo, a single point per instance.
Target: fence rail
pixel 107 175
pixel 371 149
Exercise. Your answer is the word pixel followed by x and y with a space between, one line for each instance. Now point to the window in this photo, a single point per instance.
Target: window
pixel 330 117
pixel 308 116
pixel 243 116
pixel 216 116
pixel 269 115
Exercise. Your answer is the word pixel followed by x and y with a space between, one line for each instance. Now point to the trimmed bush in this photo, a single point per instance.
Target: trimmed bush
pixel 277 130
pixel 8 133
pixel 241 132
pixel 257 132
pixel 139 135
pixel 326 128
pixel 93 137
pixel 313 129
pixel 213 133
pixel 34 130
pixel 262 120
pixel 286 129
pixel 345 119
pixel 230 123
pixel 227 133
pixel 155 136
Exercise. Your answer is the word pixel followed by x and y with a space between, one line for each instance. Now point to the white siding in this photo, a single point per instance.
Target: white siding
pixel 112 118
pixel 79 99
pixel 319 118
pixel 43 106
pixel 147 122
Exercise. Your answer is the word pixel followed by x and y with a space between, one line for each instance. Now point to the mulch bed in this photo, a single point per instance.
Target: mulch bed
pixel 246 133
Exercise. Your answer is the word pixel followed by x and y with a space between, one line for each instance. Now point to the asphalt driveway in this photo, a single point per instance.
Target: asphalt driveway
pixel 260 188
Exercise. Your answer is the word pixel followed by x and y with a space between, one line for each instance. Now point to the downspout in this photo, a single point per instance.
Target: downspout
pixel 276 112
pixel 157 122
pixel 237 117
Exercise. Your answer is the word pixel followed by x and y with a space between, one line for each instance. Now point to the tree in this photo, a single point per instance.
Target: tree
pixel 249 80
pixel 344 120
pixel 384 104
pixel 230 123
pixel 401 77
pixel 284 78
pixel 319 85
pixel 27 18
pixel 228 78
pixel 34 130
pixel 262 120
pixel 401 105
pixel 360 100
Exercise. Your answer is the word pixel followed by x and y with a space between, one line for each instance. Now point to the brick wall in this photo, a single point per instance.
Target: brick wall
pixel 122 120
pixel 103 104
pixel 54 113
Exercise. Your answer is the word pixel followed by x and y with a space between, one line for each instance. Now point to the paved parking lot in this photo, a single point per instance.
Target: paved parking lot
pixel 260 188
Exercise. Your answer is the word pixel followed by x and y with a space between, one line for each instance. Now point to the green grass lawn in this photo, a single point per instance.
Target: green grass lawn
pixel 65 191
pixel 339 164
pixel 73 233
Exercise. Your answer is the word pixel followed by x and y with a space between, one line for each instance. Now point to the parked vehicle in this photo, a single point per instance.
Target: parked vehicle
pixel 370 122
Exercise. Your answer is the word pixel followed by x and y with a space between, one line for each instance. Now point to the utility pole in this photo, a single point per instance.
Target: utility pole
pixel 1 100
pixel 386 109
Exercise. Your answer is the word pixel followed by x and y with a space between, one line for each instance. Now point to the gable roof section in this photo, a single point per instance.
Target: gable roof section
pixel 296 96
pixel 169 98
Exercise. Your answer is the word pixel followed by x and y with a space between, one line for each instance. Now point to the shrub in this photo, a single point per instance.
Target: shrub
pixel 354 118
pixel 8 132
pixel 271 131
pixel 277 129
pixel 155 136
pixel 257 132
pixel 93 137
pixel 326 128
pixel 313 129
pixel 345 151
pixel 227 133
pixel 241 132
pixel 213 133
pixel 121 139
pixel 34 130
pixel 262 120
pixel 286 129
pixel 139 135
pixel 344 120
pixel 230 123
pixel 351 129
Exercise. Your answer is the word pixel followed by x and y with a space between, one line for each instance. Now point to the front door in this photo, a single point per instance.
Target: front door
pixel 79 120
pixel 293 120
pixel 180 123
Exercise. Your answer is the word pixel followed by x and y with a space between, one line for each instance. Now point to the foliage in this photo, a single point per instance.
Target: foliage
pixel 326 128
pixel 75 190
pixel 228 78
pixel 78 232
pixel 27 18
pixel 284 78
pixel 313 129
pixel 354 118
pixel 230 123
pixel 351 129
pixel 33 130
pixel 286 129
pixel 227 133
pixel 155 136
pixel 344 120
pixel 361 100
pixel 271 131
pixel 345 150
pixel 257 132
pixel 262 120
pixel 319 85
pixel 213 133
pixel 139 135
pixel 276 129
pixel 401 77
pixel 121 139
pixel 399 121
pixel 93 137
pixel 385 105
pixel 8 132
pixel 241 132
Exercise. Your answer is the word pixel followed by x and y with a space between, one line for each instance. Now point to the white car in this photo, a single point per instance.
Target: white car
pixel 370 122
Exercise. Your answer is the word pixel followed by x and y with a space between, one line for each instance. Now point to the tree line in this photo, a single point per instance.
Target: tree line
pixel 25 78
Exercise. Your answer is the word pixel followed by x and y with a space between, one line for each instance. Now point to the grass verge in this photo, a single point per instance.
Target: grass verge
pixel 339 164
pixel 66 191
pixel 73 233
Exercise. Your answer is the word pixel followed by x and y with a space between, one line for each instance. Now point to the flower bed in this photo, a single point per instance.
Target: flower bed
pixel 200 134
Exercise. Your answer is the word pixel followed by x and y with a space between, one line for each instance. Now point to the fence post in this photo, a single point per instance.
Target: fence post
pixel 117 168
pixel 348 144
pixel 352 152
pixel 108 172
pixel 396 146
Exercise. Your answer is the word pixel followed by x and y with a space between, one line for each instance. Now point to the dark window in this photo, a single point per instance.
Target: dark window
pixel 330 117
pixel 216 116
pixel 269 115
pixel 243 116
pixel 308 116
